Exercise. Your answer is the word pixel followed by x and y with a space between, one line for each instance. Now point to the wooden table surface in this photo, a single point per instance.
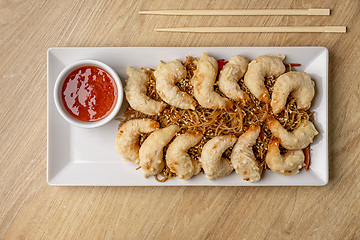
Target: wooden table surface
pixel 31 209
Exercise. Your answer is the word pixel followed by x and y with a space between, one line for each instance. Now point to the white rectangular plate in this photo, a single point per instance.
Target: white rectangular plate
pixel 82 157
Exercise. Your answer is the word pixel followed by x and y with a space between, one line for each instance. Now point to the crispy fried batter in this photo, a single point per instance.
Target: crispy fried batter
pixel 220 122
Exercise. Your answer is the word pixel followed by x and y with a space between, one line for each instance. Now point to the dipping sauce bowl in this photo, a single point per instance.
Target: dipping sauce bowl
pixel 88 93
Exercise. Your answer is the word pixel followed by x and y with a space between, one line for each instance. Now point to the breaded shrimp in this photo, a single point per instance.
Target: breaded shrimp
pixel 229 77
pixel 135 92
pixel 151 151
pixel 167 75
pixel 177 158
pixel 127 138
pixel 259 69
pixel 288 164
pixel 299 85
pixel 214 165
pixel 242 156
pixel 203 82
pixel 300 138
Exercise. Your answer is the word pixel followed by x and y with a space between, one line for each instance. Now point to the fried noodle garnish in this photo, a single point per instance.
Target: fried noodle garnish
pixel 218 122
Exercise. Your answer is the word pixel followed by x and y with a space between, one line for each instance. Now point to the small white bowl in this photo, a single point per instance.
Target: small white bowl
pixel 58 93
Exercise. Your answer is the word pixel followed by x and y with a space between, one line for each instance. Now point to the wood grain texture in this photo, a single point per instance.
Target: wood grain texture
pixel 30 209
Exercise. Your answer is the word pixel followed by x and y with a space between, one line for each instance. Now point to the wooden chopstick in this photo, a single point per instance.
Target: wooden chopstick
pixel 315 11
pixel 320 29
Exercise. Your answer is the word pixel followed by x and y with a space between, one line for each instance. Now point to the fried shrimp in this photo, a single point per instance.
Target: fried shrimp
pixel 242 157
pixel 167 75
pixel 178 159
pixel 229 76
pixel 236 123
pixel 151 151
pixel 127 138
pixel 135 92
pixel 299 85
pixel 214 165
pixel 259 69
pixel 300 138
pixel 288 164
pixel 203 82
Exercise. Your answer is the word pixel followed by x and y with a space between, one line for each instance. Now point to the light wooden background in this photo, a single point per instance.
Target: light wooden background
pixel 30 209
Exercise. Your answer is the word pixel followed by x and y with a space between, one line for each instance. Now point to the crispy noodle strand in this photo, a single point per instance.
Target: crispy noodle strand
pixel 214 123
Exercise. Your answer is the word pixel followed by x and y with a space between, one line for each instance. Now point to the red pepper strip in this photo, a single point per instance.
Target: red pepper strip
pixel 221 63
pixel 307 157
pixel 295 64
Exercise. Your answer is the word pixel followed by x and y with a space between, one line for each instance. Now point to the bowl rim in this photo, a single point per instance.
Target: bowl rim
pixel 58 90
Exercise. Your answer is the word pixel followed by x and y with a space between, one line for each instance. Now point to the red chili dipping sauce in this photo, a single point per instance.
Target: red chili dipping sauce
pixel 89 93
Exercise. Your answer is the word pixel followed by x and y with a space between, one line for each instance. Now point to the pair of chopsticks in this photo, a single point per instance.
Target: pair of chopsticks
pixel 249 12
